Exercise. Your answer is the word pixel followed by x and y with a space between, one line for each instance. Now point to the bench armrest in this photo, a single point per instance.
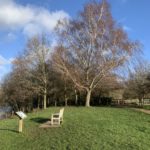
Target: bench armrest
pixel 56 115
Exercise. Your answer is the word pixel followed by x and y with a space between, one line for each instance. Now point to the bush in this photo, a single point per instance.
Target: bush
pixel 101 101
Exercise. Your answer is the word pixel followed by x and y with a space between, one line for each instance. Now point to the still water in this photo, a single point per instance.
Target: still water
pixel 4 111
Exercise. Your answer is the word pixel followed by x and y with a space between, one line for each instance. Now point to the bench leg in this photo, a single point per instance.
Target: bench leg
pixel 52 121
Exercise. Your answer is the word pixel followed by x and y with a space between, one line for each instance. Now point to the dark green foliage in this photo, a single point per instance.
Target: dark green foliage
pixel 101 101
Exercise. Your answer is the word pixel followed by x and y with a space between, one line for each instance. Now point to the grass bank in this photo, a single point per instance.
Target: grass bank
pixel 92 128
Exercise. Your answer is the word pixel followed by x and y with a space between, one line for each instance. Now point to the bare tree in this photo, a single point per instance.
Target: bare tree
pixel 16 88
pixel 91 47
pixel 1 95
pixel 35 61
pixel 138 84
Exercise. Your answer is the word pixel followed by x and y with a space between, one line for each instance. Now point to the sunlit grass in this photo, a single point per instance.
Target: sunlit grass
pixel 94 128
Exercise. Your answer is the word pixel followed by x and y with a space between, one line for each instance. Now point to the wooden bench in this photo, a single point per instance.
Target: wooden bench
pixel 57 118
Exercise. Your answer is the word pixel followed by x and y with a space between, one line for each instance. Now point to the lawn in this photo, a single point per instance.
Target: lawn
pixel 146 107
pixel 94 128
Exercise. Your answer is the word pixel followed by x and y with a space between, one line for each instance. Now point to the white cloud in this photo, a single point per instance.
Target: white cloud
pixel 30 20
pixel 122 22
pixel 126 28
pixel 7 37
pixel 31 29
pixel 3 71
pixel 13 16
pixel 11 36
pixel 5 66
pixel 4 61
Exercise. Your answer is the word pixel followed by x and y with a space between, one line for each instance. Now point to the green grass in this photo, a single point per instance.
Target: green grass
pixel 146 107
pixel 94 128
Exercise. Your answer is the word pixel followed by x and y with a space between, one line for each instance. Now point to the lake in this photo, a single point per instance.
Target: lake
pixel 4 110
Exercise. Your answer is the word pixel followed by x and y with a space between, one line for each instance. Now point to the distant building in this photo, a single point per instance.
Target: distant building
pixel 117 98
pixel 116 94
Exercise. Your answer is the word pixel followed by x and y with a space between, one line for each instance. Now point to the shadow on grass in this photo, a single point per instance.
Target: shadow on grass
pixel 39 120
pixel 9 130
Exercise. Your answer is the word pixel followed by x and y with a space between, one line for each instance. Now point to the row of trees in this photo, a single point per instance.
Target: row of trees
pixel 138 83
pixel 89 51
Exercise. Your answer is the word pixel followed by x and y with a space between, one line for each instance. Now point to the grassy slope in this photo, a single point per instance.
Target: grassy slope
pixel 146 107
pixel 83 128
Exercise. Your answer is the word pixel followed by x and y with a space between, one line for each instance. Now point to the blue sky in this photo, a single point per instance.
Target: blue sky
pixel 21 19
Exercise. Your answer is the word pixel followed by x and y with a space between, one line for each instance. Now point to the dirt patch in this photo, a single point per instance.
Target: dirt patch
pixel 48 125
pixel 143 110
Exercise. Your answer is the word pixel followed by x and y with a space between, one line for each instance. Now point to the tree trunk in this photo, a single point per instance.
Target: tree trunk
pixel 88 98
pixel 55 103
pixel 66 100
pixel 23 109
pixel 76 97
pixel 45 98
pixel 48 102
pixel 142 101
pixel 38 105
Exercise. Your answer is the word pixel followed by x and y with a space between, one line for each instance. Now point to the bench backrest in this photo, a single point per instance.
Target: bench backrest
pixel 61 112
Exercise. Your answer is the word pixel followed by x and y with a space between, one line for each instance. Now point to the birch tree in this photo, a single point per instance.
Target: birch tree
pixel 91 47
pixel 35 59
